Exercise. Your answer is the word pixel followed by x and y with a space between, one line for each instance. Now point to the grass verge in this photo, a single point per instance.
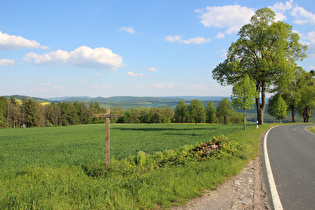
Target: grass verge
pixel 311 129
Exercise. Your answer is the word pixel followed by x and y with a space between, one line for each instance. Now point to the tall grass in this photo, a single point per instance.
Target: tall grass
pixel 46 181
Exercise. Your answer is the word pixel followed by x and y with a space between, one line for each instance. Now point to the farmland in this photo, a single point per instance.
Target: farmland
pixel 44 167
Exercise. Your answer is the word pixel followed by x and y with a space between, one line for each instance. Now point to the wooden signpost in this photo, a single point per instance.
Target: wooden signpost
pixel 108 115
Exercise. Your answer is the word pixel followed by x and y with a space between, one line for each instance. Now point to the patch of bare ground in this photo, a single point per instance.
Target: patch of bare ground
pixel 243 191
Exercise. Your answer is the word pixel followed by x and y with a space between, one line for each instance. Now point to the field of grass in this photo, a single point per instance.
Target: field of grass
pixel 46 167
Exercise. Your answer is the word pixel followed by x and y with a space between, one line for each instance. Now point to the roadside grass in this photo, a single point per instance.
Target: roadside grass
pixel 311 129
pixel 133 182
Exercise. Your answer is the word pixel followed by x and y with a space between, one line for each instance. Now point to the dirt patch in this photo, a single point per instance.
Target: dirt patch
pixel 244 191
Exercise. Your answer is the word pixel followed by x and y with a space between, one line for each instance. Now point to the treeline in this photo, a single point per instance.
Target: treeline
pixel 33 114
pixel 197 113
pixel 30 113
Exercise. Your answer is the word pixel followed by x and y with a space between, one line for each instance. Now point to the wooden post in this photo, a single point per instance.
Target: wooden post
pixel 107 134
pixel 107 141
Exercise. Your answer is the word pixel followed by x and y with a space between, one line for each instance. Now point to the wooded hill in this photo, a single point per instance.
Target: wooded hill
pixel 124 101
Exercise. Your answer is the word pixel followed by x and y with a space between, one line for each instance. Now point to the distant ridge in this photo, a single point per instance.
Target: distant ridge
pixel 120 99
pixel 125 101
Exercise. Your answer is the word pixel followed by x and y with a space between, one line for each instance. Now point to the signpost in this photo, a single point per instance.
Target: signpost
pixel 108 115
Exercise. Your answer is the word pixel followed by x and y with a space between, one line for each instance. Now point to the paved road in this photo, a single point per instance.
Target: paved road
pixel 291 151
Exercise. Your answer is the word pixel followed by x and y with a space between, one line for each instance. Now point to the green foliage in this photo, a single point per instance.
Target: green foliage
pixel 197 111
pixel 267 51
pixel 244 93
pixel 224 109
pixel 277 107
pixel 211 113
pixel 181 111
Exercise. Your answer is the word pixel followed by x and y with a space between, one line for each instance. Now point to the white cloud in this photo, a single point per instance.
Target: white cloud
pixel 280 8
pixel 232 17
pixel 81 80
pixel 303 16
pixel 102 86
pixel 6 62
pixel 173 38
pixel 134 74
pixel 311 44
pixel 152 69
pixel 10 42
pixel 46 84
pixel 164 86
pixel 98 58
pixel 97 75
pixel 194 87
pixel 220 36
pixel 223 53
pixel 197 40
pixel 128 29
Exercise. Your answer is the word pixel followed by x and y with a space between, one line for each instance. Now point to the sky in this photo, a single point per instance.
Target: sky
pixel 129 48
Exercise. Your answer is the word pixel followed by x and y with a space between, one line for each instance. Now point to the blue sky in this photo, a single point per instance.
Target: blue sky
pixel 129 48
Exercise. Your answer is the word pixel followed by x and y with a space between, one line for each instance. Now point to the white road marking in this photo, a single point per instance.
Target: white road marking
pixel 273 189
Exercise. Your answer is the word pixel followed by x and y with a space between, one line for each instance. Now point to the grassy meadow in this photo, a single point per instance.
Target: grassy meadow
pixel 53 167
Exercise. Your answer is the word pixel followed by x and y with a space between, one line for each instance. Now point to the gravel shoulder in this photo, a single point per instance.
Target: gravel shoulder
pixel 247 190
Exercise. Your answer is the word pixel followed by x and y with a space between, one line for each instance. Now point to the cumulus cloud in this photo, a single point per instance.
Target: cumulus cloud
pixel 232 17
pixel 303 16
pixel 134 74
pixel 280 8
pixel 311 43
pixel 152 69
pixel 98 58
pixel 220 36
pixel 81 80
pixel 10 42
pixel 128 29
pixel 6 62
pixel 197 40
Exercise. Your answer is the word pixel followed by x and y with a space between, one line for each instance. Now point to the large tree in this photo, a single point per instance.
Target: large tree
pixel 307 102
pixel 267 51
pixel 244 93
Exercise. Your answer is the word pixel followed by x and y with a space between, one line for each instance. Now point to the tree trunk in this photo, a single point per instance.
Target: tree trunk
pixel 244 116
pixel 224 120
pixel 261 106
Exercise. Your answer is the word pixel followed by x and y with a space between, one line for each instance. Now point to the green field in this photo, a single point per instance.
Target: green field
pixel 77 145
pixel 45 168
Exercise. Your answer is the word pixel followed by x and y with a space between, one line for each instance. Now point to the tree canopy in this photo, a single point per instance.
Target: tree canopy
pixel 277 107
pixel 267 51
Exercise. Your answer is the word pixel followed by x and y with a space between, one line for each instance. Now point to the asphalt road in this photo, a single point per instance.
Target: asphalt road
pixel 291 152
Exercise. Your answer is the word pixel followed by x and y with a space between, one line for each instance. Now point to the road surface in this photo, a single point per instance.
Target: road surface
pixel 291 152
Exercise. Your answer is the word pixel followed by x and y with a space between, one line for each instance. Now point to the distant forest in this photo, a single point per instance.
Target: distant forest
pixel 23 111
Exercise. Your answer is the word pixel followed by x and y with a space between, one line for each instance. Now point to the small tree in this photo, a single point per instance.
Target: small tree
pixel 211 112
pixel 244 94
pixel 197 111
pixel 277 107
pixel 181 111
pixel 224 109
